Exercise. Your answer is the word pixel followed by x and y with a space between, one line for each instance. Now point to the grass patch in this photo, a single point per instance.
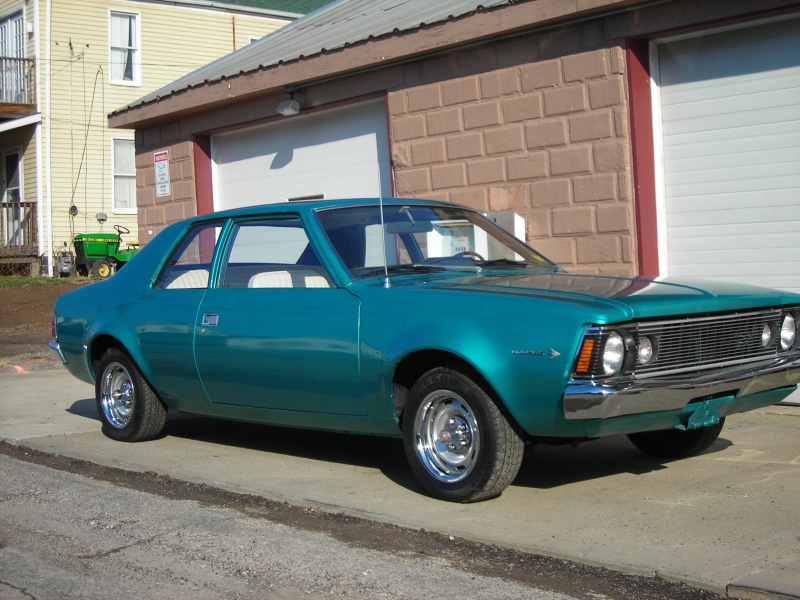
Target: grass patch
pixel 14 281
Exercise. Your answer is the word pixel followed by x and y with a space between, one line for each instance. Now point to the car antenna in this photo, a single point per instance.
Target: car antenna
pixel 386 282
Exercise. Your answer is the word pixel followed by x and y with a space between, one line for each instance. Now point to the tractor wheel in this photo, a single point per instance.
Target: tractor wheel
pixel 101 269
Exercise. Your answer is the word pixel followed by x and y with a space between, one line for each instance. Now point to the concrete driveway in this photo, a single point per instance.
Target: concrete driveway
pixel 726 521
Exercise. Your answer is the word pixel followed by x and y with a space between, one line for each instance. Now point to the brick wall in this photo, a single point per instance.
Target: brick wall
pixel 155 213
pixel 548 140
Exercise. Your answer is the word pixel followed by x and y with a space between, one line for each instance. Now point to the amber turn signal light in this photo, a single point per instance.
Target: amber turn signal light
pixel 585 357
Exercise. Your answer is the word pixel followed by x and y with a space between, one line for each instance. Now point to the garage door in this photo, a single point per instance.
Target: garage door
pixel 340 153
pixel 729 191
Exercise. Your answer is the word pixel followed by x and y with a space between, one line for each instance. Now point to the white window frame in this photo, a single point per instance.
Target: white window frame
pixel 114 209
pixel 658 133
pixel 15 15
pixel 18 151
pixel 254 38
pixel 137 55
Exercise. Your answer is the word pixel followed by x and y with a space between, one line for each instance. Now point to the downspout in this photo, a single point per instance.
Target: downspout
pixel 39 173
pixel 48 149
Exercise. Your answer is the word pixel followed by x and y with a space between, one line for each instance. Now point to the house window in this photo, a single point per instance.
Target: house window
pixel 12 190
pixel 124 48
pixel 12 64
pixel 124 172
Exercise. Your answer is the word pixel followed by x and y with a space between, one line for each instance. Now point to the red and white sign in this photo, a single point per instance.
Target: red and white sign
pixel 161 163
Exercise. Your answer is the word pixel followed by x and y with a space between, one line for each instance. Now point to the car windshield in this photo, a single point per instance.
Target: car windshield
pixel 423 239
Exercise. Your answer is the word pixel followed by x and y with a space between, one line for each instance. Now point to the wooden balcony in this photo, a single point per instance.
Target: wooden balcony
pixel 18 234
pixel 17 87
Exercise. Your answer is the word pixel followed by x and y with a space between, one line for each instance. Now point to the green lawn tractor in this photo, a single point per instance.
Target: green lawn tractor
pixel 99 254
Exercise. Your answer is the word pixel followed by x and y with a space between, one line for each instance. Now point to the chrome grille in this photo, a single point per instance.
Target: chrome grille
pixel 697 343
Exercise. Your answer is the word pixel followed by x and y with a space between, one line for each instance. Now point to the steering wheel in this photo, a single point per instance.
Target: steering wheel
pixel 120 229
pixel 469 253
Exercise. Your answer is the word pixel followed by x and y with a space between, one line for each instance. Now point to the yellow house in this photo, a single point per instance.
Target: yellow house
pixel 66 64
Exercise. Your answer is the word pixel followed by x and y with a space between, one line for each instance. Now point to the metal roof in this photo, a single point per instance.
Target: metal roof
pixel 336 25
pixel 291 6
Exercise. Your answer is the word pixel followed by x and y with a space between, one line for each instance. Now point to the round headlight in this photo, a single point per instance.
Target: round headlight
pixel 644 351
pixel 766 336
pixel 788 332
pixel 613 353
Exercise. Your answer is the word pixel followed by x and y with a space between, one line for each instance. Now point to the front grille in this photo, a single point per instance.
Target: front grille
pixel 696 343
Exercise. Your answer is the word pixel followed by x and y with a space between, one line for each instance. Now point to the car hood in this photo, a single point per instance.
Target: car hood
pixel 639 298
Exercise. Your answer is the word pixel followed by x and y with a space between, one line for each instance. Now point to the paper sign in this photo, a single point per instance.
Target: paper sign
pixel 161 163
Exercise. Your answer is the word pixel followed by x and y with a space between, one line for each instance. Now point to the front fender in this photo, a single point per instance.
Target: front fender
pixel 522 347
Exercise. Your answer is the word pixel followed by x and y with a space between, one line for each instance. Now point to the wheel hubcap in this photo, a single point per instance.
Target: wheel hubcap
pixel 447 436
pixel 117 395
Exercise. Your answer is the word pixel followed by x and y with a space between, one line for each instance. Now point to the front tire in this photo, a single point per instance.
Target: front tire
pixel 128 407
pixel 457 441
pixel 101 269
pixel 675 443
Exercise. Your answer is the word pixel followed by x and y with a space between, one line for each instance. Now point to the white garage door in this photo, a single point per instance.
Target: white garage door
pixel 729 191
pixel 339 153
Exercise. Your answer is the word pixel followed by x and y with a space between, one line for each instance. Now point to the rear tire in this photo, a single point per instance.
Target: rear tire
pixel 128 407
pixel 457 441
pixel 675 443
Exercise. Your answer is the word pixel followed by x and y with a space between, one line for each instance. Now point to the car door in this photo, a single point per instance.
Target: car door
pixel 274 331
pixel 166 315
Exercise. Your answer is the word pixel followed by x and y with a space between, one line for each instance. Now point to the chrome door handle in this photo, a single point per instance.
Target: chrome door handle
pixel 210 320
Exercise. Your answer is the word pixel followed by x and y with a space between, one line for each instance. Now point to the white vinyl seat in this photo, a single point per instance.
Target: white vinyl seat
pixel 196 278
pixel 271 279
pixel 316 281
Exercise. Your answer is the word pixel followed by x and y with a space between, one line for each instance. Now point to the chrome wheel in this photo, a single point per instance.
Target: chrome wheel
pixel 117 395
pixel 447 436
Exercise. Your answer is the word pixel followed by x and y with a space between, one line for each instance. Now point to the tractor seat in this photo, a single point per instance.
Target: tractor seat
pixel 133 244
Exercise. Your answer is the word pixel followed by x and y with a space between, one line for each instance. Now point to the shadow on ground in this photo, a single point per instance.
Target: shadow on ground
pixel 543 467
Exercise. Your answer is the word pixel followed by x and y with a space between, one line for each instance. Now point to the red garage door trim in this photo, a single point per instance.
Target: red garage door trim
pixel 202 174
pixel 644 180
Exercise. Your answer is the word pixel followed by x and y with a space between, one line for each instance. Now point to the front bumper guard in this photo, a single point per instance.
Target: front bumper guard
pixel 608 399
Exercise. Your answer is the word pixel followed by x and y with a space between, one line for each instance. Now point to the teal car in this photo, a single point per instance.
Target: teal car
pixel 419 320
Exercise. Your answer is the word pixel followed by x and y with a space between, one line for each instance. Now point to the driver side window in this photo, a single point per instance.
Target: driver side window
pixel 273 253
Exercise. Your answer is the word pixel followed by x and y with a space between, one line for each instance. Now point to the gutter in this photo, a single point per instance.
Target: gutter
pixel 39 168
pixel 48 127
pixel 235 8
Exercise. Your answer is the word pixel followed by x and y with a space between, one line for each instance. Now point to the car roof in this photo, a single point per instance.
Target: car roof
pixel 315 205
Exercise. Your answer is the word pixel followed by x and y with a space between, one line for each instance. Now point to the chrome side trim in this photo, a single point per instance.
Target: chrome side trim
pixel 56 348
pixel 604 400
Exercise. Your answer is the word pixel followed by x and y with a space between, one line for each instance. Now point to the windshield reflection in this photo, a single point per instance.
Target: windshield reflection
pixel 423 239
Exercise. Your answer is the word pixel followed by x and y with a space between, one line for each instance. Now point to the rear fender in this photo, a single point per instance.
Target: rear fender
pixel 113 325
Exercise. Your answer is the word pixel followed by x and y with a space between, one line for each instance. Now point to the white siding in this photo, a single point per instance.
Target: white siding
pixel 730 116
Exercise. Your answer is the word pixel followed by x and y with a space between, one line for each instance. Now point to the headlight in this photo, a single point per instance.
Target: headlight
pixel 766 336
pixel 788 332
pixel 644 351
pixel 613 353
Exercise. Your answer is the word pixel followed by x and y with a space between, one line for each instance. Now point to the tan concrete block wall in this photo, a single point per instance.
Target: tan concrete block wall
pixel 155 213
pixel 549 140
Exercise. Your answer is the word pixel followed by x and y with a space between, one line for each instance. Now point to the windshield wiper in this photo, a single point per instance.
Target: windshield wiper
pixel 420 268
pixel 505 262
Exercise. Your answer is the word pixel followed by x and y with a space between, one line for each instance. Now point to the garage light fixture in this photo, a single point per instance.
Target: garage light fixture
pixel 291 106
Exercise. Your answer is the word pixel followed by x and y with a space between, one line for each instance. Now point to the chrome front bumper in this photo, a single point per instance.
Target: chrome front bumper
pixel 604 400
pixel 56 348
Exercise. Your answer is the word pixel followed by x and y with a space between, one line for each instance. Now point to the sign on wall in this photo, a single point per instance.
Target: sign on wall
pixel 161 163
